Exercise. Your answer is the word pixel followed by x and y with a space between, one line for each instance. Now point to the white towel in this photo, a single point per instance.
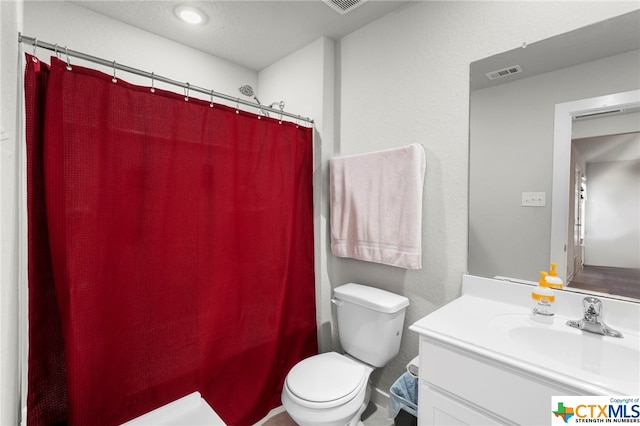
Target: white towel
pixel 376 206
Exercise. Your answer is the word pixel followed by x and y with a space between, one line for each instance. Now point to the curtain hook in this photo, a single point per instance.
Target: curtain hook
pixel 114 79
pixel 153 90
pixel 211 104
pixel 281 105
pixel 186 93
pixel 35 46
pixel 298 122
pixel 238 105
pixel 66 50
pixel 55 50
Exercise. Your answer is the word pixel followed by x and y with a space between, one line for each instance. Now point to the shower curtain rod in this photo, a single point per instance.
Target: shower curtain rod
pixel 116 66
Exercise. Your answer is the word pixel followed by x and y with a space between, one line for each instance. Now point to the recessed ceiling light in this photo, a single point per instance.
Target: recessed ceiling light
pixel 190 15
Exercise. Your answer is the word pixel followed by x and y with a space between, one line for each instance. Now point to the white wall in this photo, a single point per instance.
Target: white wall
pixel 612 218
pixel 405 79
pixel 11 18
pixel 86 31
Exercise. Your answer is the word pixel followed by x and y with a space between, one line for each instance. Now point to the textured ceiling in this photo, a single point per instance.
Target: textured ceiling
pixel 254 33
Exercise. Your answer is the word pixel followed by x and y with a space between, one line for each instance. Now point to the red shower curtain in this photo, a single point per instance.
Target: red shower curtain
pixel 170 250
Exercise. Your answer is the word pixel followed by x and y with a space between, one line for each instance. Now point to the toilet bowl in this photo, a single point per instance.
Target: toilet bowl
pixel 329 389
pixel 333 389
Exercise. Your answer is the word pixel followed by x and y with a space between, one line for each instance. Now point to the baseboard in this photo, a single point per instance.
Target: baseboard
pixel 380 398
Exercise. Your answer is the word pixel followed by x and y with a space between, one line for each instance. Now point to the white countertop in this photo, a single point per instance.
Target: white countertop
pixel 599 365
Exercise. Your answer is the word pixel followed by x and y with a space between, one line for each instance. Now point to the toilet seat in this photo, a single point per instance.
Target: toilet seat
pixel 326 380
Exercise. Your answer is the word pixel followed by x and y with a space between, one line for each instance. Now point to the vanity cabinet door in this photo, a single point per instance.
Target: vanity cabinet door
pixel 435 409
pixel 501 393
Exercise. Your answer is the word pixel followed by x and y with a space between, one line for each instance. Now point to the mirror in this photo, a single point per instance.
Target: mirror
pixel 525 205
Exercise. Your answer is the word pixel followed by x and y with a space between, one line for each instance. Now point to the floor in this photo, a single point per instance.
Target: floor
pixel 373 416
pixel 606 279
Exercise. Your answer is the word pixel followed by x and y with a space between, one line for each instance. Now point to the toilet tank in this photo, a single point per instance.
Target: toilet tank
pixel 370 322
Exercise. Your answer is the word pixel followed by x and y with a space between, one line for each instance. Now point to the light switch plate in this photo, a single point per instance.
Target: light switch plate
pixel 534 199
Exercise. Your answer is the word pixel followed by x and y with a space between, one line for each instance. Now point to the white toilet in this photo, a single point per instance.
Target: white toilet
pixel 332 389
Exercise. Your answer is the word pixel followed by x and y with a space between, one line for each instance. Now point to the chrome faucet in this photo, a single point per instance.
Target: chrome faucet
pixel 592 319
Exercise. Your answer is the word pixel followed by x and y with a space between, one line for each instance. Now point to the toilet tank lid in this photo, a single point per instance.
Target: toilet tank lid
pixel 371 297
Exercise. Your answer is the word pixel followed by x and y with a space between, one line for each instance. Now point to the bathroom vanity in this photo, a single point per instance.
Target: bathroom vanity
pixel 483 360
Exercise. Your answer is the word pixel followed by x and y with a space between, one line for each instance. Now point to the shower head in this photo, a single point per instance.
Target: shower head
pixel 246 90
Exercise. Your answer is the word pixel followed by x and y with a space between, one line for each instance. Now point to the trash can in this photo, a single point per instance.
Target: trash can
pixel 403 404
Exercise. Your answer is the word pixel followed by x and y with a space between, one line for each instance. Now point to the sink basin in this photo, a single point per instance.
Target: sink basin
pixel 570 348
